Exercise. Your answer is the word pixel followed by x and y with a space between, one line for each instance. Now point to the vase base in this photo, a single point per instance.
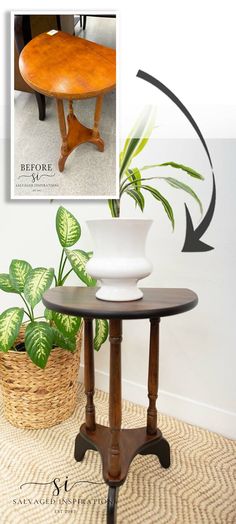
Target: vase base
pixel 115 291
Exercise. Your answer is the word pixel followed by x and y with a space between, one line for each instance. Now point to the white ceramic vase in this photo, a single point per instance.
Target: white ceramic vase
pixel 119 260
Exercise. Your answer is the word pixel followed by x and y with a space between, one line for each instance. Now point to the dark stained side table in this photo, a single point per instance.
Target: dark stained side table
pixel 117 446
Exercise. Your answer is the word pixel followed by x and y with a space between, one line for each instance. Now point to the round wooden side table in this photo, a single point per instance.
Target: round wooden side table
pixel 117 446
pixel 63 66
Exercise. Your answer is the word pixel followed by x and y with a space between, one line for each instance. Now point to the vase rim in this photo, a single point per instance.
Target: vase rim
pixel 119 219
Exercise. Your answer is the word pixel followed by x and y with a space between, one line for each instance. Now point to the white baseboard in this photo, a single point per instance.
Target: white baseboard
pixel 191 411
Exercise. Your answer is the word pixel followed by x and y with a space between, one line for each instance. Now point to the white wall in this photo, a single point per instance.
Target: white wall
pixel 197 371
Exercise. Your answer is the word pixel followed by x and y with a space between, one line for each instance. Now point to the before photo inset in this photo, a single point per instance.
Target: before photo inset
pixel 64 133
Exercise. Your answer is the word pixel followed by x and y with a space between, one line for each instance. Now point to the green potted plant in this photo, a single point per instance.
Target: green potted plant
pixel 40 353
pixel 119 244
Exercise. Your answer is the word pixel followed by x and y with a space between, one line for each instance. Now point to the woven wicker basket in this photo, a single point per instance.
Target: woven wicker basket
pixel 39 398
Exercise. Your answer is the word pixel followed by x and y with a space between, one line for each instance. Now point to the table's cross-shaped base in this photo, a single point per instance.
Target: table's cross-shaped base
pixel 132 442
pixel 117 446
pixel 76 133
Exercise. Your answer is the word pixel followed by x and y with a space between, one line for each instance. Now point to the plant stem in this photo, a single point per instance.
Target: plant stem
pixel 32 314
pixel 65 277
pixel 63 267
pixel 28 309
pixel 35 318
pixel 60 268
pixel 114 206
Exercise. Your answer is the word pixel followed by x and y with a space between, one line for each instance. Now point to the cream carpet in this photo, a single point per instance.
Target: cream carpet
pixel 88 172
pixel 198 488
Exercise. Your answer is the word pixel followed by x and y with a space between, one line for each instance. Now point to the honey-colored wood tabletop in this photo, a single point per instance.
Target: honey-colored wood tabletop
pixel 65 66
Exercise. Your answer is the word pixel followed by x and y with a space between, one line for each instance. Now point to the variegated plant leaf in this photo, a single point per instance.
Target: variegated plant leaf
pixel 39 342
pixel 5 283
pixel 37 282
pixel 135 177
pixel 63 342
pixel 10 322
pixel 78 260
pixel 67 324
pixel 114 206
pixel 166 205
pixel 173 182
pixel 101 333
pixel 48 314
pixel 189 170
pixel 18 272
pixel 68 228
pixel 138 137
pixel 137 197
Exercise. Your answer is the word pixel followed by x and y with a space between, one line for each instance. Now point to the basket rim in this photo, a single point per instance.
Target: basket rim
pixel 23 353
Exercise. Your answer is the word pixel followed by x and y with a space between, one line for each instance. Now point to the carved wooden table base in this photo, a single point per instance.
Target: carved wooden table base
pixel 131 443
pixel 76 133
pixel 117 446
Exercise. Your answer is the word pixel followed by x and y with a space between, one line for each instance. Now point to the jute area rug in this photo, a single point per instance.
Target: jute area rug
pixel 198 488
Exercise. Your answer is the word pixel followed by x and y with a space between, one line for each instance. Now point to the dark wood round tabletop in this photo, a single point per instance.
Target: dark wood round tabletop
pixel 156 302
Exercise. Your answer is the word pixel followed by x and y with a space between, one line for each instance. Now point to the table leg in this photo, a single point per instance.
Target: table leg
pixel 159 447
pixel 97 115
pixel 82 444
pixel 63 131
pixel 114 465
pixel 76 133
pixel 89 373
pixel 153 371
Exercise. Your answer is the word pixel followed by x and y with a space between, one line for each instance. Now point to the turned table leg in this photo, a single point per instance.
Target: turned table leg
pixel 153 371
pixel 63 131
pixel 114 465
pixel 74 133
pixel 81 443
pixel 114 459
pixel 89 374
pixel 160 447
pixel 95 134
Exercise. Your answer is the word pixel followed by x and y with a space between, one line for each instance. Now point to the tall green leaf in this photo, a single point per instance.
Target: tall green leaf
pixel 37 282
pixel 167 207
pixel 101 333
pixel 67 324
pixel 10 322
pixel 187 169
pixel 18 272
pixel 134 175
pixel 5 283
pixel 137 196
pixel 78 260
pixel 138 137
pixel 179 185
pixel 114 206
pixel 68 228
pixel 128 155
pixel 63 342
pixel 149 126
pixel 39 342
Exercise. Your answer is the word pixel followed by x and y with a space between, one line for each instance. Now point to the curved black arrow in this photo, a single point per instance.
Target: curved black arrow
pixel 192 238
